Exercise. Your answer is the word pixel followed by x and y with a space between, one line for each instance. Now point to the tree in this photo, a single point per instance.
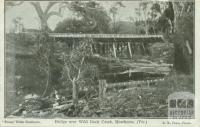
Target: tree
pixel 177 23
pixel 72 26
pixel 183 37
pixel 45 14
pixel 91 18
pixel 74 65
pixel 18 25
pixel 151 12
pixel 45 54
pixel 142 11
pixel 11 4
pixel 157 19
pixel 165 22
pixel 114 10
pixel 155 13
pixel 92 15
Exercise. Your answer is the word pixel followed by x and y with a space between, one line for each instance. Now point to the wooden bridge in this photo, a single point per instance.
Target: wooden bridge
pixel 117 44
pixel 106 43
pixel 108 37
pixel 123 71
pixel 116 66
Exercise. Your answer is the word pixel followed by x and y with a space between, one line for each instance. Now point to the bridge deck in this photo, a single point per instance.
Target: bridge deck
pixel 111 37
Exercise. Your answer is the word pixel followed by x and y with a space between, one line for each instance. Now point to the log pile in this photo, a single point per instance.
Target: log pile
pixel 43 107
pixel 122 66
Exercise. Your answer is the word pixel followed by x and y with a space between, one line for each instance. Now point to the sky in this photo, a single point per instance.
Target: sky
pixel 31 21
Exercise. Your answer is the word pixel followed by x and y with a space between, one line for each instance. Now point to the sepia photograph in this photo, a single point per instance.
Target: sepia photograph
pixel 99 59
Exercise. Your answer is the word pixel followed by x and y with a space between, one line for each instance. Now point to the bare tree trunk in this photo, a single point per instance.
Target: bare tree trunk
pixel 102 89
pixel 74 92
pixel 44 25
pixel 113 23
pixel 48 79
pixel 146 27
pixel 176 15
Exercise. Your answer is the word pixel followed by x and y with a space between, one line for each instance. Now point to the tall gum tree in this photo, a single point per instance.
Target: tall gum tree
pixel 45 14
pixel 45 53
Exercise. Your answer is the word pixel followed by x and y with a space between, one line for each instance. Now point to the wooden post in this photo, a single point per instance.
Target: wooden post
pixel 144 50
pixel 102 88
pixel 93 48
pixel 121 48
pixel 129 49
pixel 74 93
pixel 72 45
pixel 132 48
pixel 114 50
pixel 106 48
pixel 148 84
pixel 188 47
pixel 68 46
pixel 98 48
pixel 117 47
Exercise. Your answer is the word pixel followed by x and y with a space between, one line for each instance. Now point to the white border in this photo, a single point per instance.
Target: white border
pixel 1 59
pixel 150 122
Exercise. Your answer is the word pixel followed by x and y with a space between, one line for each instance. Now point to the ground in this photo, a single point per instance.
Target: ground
pixel 128 102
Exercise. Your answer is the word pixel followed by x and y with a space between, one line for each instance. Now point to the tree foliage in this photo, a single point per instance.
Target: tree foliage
pixel 114 11
pixel 175 20
pixel 177 23
pixel 91 18
pixel 184 38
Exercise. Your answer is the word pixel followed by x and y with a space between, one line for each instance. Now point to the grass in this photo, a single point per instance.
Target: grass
pixel 147 103
pixel 136 103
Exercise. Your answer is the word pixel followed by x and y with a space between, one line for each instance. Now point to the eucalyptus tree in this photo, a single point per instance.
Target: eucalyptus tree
pixel 183 37
pixel 114 10
pixel 45 51
pixel 92 15
pixel 46 13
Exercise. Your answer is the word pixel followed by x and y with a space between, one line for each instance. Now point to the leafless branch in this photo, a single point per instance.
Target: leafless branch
pixel 68 73
pixel 72 63
pixel 12 3
pixel 38 8
pixel 68 70
pixel 79 71
pixel 50 4
pixel 53 13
